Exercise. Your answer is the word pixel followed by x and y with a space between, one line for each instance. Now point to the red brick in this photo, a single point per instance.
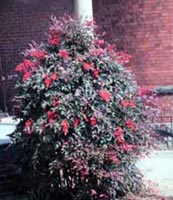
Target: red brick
pixel 144 29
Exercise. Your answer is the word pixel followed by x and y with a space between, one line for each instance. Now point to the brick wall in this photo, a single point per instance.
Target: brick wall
pixel 22 21
pixel 145 30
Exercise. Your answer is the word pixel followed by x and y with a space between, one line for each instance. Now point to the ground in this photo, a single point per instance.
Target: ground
pixel 158 168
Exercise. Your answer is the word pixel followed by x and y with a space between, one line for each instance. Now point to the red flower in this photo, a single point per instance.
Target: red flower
pixel 50 116
pixel 93 121
pixel 123 57
pixel 132 104
pixel 119 131
pixel 55 102
pixel 54 76
pixel 26 76
pixel 113 157
pixel 23 67
pixel 126 103
pixel 99 52
pixel 54 40
pixel 65 126
pixel 99 42
pixel 20 67
pixel 63 53
pixel 110 49
pixel 105 95
pixel 127 147
pixel 130 124
pixel 118 134
pixel 28 63
pixel 47 82
pixel 28 123
pixel 87 66
pixel 38 54
pixel 76 122
pixel 96 73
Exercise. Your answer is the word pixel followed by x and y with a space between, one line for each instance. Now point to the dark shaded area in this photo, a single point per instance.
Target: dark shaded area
pixel 164 131
pixel 10 174
pixel 14 182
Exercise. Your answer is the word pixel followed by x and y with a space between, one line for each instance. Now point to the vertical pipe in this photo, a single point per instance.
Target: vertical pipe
pixel 83 10
pixel 3 89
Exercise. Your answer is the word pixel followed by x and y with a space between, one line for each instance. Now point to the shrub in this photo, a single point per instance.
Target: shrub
pixel 84 122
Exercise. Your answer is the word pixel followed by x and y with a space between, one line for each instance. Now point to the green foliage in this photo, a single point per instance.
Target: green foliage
pixel 84 121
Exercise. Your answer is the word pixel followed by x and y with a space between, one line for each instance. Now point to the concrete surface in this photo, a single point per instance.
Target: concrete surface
pixel 158 168
pixel 7 126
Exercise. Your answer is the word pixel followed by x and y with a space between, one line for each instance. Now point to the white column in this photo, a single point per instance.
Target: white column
pixel 84 9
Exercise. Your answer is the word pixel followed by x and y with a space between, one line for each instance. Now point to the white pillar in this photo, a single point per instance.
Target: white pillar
pixel 84 9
